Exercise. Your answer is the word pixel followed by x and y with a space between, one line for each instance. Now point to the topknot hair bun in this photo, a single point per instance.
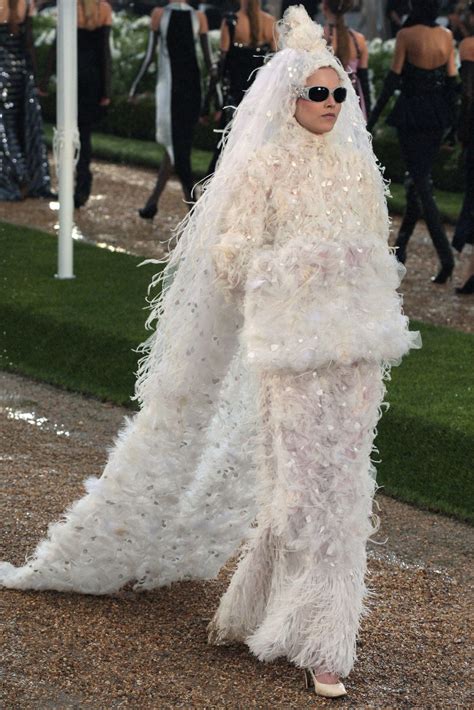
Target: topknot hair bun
pixel 296 30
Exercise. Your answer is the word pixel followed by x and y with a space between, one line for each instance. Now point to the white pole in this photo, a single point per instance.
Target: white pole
pixel 66 137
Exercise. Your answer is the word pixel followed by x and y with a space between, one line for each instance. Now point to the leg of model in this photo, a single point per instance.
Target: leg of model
pixel 464 233
pixel 182 147
pixel 151 207
pixel 420 150
pixel 413 212
pixel 83 171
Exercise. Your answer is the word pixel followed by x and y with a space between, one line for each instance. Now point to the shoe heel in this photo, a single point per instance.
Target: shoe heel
pixel 324 690
pixel 308 680
pixel 444 275
pixel 148 212
pixel 467 289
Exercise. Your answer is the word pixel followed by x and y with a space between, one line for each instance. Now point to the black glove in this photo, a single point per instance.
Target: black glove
pixel 453 90
pixel 391 84
pixel 363 76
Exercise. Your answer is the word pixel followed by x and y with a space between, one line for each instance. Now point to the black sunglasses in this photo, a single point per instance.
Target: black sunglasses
pixel 321 93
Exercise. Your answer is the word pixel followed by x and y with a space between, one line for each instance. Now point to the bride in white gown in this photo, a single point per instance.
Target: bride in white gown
pixel 261 387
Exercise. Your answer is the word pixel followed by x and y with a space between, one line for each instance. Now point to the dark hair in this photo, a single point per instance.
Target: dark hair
pixel 343 48
pixel 423 12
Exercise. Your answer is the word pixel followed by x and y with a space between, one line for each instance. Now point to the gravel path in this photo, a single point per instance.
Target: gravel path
pixel 110 219
pixel 148 651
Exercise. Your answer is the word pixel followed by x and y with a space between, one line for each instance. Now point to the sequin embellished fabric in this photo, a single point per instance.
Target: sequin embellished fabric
pixel 24 169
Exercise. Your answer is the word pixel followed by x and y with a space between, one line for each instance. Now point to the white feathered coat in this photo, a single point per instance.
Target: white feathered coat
pixel 304 250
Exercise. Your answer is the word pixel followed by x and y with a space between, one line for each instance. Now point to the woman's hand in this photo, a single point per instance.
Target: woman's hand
pixel 105 101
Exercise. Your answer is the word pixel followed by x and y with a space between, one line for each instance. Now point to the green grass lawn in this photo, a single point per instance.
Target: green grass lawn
pixel 149 154
pixel 80 334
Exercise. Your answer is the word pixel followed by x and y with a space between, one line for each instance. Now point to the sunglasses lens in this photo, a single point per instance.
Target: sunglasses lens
pixel 318 93
pixel 340 95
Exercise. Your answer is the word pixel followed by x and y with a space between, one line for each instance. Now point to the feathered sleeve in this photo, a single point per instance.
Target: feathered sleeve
pixel 242 228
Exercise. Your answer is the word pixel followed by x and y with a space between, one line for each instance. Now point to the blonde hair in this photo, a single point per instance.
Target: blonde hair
pixel 343 47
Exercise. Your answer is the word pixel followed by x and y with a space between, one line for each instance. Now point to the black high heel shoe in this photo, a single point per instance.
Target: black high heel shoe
pixel 467 289
pixel 443 275
pixel 148 212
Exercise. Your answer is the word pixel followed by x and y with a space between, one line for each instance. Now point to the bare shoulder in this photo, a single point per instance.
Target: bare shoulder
pixel 447 35
pixel 466 49
pixel 155 18
pixel 359 35
pixel 269 19
pixel 405 32
pixel 446 31
pixel 105 13
pixel 361 41
pixel 404 36
pixel 203 23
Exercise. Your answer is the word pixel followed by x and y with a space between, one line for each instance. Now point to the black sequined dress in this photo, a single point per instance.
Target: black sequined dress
pixel 24 169
pixel 238 73
pixel 240 64
pixel 424 103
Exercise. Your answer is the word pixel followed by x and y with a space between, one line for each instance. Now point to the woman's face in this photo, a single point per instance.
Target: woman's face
pixel 319 117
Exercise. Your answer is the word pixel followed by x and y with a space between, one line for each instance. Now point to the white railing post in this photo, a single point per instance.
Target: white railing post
pixel 66 136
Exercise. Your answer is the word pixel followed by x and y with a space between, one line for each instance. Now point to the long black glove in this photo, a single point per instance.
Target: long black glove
pixel 453 88
pixel 391 84
pixel 214 86
pixel 363 76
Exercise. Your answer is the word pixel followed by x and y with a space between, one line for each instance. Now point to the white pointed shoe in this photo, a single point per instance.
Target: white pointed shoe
pixel 326 690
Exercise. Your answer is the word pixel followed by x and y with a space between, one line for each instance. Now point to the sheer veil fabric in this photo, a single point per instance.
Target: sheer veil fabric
pixel 260 387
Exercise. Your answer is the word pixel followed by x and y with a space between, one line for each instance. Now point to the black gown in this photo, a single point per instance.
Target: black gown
pixel 24 170
pixel 423 112
pixel 178 89
pixel 93 84
pixel 178 43
pixel 238 72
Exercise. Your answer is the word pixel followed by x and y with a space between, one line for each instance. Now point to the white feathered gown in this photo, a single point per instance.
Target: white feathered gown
pixel 260 400
pixel 322 322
